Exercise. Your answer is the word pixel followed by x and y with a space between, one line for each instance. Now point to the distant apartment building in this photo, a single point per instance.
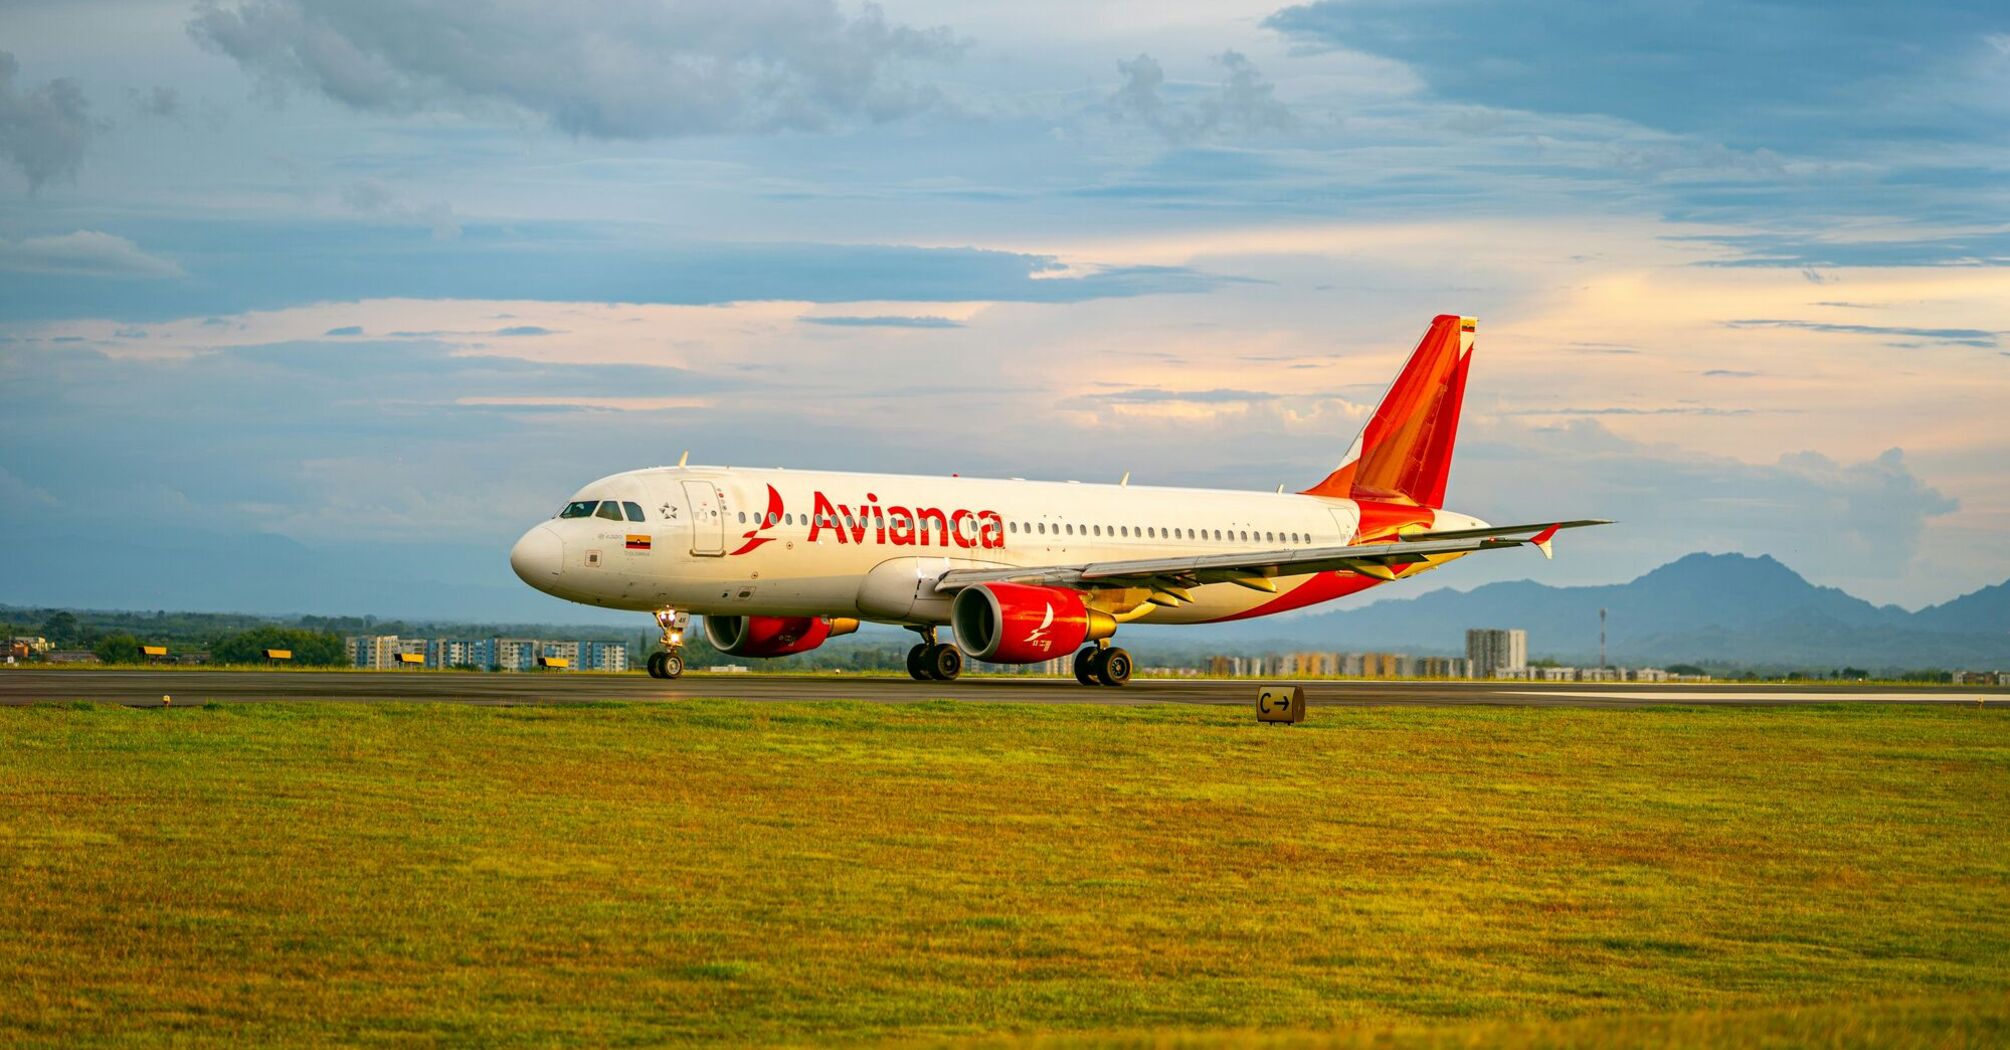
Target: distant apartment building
pixel 1646 674
pixel 1379 665
pixel 603 656
pixel 1311 664
pixel 462 652
pixel 387 651
pixel 1438 667
pixel 1496 653
pixel 381 652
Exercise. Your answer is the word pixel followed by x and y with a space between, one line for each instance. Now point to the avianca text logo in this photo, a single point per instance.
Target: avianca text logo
pixel 887 525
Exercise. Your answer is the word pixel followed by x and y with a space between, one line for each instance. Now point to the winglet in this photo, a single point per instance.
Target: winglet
pixel 1542 540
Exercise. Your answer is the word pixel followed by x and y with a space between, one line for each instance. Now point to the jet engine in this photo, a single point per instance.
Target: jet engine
pixel 766 636
pixel 1015 623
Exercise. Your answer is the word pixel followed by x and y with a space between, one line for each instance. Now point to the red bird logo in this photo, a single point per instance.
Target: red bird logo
pixel 766 521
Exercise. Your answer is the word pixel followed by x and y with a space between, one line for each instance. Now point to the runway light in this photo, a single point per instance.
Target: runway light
pixel 166 700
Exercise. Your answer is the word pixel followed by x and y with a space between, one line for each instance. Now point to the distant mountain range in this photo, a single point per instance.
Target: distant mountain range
pixel 1703 608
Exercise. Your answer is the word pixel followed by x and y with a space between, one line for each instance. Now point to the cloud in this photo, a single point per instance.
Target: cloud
pixel 885 322
pixel 1151 395
pixel 162 102
pixel 1977 337
pixel 85 253
pixel 347 329
pixel 1798 251
pixel 378 200
pixel 1793 72
pixel 1244 104
pixel 43 132
pixel 602 68
pixel 251 265
pixel 1857 524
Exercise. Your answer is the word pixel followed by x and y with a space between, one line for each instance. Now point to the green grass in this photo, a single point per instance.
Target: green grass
pixel 744 873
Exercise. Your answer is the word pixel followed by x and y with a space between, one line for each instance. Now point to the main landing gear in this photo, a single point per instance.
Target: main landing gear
pixel 933 661
pixel 670 662
pixel 1102 665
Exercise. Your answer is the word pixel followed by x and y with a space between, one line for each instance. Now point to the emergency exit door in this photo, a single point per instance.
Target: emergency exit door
pixel 708 518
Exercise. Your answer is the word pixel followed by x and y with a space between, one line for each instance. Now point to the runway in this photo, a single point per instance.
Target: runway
pixel 145 687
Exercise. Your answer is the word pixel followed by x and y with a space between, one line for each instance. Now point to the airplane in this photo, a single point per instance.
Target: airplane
pixel 779 561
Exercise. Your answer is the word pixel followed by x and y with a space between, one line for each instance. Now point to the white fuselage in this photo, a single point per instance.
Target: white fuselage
pixel 738 541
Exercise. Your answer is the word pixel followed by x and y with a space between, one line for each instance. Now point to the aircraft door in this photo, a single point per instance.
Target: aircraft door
pixel 708 518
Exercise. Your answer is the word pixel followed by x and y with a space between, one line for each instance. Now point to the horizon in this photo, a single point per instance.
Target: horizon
pixel 324 304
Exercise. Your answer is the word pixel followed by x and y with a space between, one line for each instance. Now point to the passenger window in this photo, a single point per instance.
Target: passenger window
pixel 580 509
pixel 634 511
pixel 1071 528
pixel 609 510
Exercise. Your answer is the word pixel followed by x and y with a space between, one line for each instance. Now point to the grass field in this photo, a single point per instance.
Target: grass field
pixel 995 874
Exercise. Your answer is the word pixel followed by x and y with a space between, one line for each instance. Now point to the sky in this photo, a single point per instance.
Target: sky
pixel 351 292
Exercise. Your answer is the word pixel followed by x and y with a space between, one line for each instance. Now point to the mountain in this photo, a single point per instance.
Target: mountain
pixel 1714 608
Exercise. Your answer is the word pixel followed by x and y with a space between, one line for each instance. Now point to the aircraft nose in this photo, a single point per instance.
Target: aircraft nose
pixel 538 556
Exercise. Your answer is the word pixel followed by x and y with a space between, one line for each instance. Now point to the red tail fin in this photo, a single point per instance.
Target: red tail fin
pixel 1404 453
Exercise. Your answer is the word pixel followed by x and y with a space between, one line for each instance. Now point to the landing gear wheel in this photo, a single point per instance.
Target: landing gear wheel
pixel 944 662
pixel 917 663
pixel 1113 667
pixel 665 665
pixel 1085 666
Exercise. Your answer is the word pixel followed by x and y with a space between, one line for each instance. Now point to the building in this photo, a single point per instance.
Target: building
pixel 470 652
pixel 1438 667
pixel 1647 674
pixel 517 654
pixel 1496 653
pixel 1980 678
pixel 1376 665
pixel 1599 674
pixel 379 652
pixel 602 656
pixel 1323 665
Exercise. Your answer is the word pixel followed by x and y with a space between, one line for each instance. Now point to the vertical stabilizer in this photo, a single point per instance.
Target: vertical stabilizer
pixel 1404 452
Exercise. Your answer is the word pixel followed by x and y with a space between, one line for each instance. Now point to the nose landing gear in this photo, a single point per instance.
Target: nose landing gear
pixel 670 662
pixel 933 661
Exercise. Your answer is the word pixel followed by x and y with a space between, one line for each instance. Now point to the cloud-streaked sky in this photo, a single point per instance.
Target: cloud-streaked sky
pixel 387 277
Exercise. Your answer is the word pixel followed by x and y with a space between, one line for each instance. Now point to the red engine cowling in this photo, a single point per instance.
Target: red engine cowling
pixel 1014 623
pixel 773 635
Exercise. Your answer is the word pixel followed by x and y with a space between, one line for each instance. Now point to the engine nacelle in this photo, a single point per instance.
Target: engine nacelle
pixel 1015 623
pixel 766 636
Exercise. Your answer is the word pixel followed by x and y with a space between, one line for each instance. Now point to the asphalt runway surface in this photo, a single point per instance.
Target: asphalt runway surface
pixel 147 687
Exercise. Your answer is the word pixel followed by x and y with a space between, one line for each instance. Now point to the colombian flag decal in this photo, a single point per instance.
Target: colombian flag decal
pixel 638 543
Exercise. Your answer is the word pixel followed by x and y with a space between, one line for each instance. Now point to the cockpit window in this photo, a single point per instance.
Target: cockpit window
pixel 634 511
pixel 579 509
pixel 610 510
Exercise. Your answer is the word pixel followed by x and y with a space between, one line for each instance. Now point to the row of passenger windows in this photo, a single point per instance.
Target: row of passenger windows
pixel 605 508
pixel 1041 528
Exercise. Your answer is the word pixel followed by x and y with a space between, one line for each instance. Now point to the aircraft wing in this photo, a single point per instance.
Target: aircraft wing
pixel 1255 568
